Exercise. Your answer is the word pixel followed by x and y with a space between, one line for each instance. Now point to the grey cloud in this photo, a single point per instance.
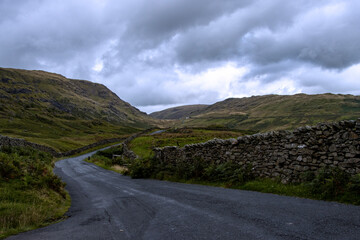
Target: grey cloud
pixel 49 34
pixel 325 42
pixel 222 39
pixel 161 18
pixel 142 44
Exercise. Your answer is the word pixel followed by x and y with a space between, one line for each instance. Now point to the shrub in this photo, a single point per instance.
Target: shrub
pixel 9 167
pixel 30 166
pixel 142 168
pixel 108 153
pixel 229 172
pixel 354 184
pixel 329 183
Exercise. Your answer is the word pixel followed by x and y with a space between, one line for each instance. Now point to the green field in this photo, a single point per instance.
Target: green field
pixel 143 145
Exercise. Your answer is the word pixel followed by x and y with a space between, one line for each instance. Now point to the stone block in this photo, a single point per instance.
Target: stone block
pixel 333 148
pixel 350 155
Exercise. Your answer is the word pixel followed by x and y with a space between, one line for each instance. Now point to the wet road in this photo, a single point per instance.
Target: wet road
pixel 107 205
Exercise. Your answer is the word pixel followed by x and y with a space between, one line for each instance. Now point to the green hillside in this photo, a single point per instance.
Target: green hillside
pixel 178 112
pixel 63 113
pixel 272 112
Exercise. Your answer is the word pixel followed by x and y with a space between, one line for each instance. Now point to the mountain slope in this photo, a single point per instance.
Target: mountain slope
pixel 270 112
pixel 178 112
pixel 63 113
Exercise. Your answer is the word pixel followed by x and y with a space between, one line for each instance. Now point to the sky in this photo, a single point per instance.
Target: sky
pixel 164 53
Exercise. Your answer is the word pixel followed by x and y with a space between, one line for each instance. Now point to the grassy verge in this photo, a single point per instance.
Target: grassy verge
pixel 330 184
pixel 105 160
pixel 90 150
pixel 31 196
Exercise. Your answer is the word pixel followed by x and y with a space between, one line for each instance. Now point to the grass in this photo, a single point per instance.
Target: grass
pixel 105 159
pixel 114 168
pixel 260 185
pixel 31 196
pixel 26 209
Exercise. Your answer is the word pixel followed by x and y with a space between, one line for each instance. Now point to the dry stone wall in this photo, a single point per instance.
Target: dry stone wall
pixel 17 142
pixel 280 154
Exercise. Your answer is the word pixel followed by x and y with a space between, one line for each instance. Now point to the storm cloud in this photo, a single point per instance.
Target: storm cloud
pixel 162 53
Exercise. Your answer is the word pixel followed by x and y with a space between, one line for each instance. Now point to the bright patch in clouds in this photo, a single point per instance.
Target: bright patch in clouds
pixel 218 79
pixel 98 67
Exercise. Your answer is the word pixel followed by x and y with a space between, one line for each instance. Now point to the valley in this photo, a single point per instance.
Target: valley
pixel 71 116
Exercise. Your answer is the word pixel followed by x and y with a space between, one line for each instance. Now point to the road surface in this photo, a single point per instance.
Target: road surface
pixel 107 205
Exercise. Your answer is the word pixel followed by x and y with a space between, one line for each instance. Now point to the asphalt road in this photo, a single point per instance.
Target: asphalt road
pixel 107 205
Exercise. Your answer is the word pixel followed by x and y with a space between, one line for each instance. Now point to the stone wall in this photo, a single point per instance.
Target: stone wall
pixel 280 154
pixel 17 142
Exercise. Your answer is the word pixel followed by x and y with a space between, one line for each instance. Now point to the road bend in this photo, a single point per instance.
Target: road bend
pixel 108 205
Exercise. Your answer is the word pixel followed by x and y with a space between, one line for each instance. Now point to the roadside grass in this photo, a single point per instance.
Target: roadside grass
pixel 301 190
pixel 27 209
pixel 105 159
pixel 31 196
pixel 264 185
pixel 90 150
pixel 329 184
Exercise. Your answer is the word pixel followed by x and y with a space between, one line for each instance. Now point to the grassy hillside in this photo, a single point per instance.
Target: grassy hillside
pixel 31 196
pixel 272 112
pixel 63 113
pixel 178 112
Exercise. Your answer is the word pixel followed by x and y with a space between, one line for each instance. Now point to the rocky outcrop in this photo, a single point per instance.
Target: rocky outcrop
pixel 280 154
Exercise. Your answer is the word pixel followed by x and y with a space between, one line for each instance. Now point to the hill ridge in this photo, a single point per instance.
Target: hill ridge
pixel 271 112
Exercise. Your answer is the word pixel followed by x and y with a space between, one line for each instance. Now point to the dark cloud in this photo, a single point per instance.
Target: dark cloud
pixel 160 52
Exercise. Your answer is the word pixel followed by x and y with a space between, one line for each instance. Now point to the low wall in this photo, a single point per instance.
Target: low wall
pixel 17 142
pixel 280 154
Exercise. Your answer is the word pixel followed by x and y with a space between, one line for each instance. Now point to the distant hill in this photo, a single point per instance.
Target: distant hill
pixel 178 112
pixel 63 113
pixel 271 112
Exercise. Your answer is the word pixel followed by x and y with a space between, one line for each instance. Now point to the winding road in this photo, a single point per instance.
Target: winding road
pixel 107 205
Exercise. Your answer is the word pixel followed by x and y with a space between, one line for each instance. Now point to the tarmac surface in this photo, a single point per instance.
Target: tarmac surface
pixel 107 205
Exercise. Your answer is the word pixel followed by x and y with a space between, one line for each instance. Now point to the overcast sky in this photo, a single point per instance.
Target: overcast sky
pixel 156 54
